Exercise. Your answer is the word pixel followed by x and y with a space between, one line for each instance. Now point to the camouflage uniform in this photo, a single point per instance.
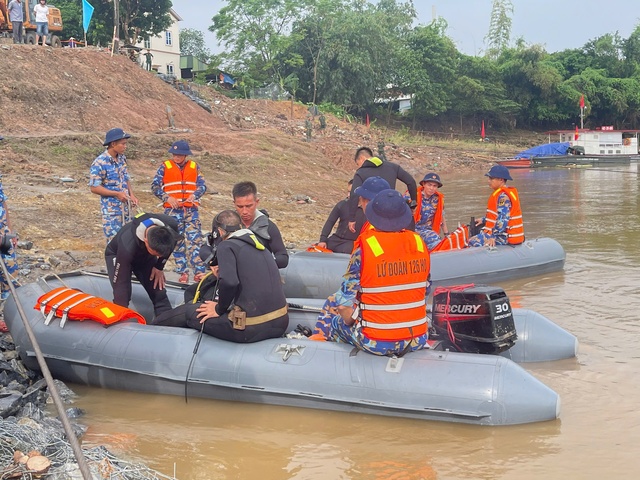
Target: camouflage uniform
pixel 190 227
pixel 9 258
pixel 334 329
pixel 112 174
pixel 424 226
pixel 500 229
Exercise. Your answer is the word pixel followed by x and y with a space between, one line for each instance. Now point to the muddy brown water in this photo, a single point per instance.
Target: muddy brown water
pixel 594 214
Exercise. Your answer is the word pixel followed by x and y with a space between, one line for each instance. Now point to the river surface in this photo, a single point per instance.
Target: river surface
pixel 594 214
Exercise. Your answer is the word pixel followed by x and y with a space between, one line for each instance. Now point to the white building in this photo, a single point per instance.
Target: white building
pixel 165 48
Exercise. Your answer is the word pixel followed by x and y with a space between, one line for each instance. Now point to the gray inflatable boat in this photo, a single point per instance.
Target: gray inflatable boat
pixel 318 275
pixel 428 384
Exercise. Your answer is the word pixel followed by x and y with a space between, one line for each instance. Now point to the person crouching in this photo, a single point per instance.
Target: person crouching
pixel 248 303
pixel 381 305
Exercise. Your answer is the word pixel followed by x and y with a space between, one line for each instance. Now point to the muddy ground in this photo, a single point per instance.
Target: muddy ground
pixel 57 104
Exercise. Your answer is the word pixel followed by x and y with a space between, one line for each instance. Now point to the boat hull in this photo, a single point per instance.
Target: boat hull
pixel 318 275
pixel 429 385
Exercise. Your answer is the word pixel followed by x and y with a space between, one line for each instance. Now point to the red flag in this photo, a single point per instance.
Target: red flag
pixel 367 120
pixel 582 101
pixel 575 137
pixel 482 130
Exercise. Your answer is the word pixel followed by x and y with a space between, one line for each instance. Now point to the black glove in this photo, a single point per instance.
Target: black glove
pixel 413 205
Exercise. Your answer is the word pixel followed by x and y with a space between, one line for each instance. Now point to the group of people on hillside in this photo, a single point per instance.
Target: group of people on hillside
pixel 237 294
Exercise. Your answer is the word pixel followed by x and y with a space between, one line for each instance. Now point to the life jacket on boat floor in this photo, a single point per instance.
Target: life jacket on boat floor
pixel 73 304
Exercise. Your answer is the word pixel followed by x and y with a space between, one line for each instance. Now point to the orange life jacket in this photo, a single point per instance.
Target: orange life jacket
pixel 458 240
pixel 74 304
pixel 317 248
pixel 436 225
pixel 180 183
pixel 393 280
pixel 515 226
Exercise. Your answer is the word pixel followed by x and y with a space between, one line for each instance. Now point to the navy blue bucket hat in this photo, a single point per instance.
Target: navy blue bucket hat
pixel 431 177
pixel 389 211
pixel 499 171
pixel 181 147
pixel 371 187
pixel 114 135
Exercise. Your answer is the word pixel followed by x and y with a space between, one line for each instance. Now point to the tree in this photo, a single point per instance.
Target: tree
pixel 499 28
pixel 142 19
pixel 192 43
pixel 256 34
pixel 100 29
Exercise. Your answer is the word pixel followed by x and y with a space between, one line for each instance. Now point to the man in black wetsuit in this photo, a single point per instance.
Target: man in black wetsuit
pixel 142 247
pixel 370 166
pixel 247 304
pixel 245 199
pixel 342 240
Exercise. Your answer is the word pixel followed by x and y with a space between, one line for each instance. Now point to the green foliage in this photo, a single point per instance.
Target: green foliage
pixel 500 28
pixel 142 19
pixel 192 43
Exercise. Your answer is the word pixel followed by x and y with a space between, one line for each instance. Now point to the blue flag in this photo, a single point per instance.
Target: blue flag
pixel 87 12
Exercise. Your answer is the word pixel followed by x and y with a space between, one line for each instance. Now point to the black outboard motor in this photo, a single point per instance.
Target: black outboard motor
pixel 475 318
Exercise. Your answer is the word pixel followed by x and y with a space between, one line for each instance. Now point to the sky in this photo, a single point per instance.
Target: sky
pixel 556 24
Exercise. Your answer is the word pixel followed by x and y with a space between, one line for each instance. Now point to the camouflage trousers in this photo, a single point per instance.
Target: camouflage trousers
pixel 334 329
pixel 430 238
pixel 113 219
pixel 12 267
pixel 187 251
pixel 480 239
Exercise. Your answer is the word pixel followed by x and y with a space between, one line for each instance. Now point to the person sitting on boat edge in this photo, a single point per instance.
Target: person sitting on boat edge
pixel 429 216
pixel 248 303
pixel 341 241
pixel 142 247
pixel 381 305
pixel 246 200
pixel 503 221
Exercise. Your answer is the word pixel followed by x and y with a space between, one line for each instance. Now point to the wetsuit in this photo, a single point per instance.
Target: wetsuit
pixel 374 167
pixel 270 236
pixel 248 278
pixel 342 240
pixel 126 253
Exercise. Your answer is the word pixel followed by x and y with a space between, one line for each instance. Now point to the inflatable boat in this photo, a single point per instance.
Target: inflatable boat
pixel 428 384
pixel 318 275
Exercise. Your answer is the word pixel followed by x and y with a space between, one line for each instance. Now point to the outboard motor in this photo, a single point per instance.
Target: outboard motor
pixel 475 318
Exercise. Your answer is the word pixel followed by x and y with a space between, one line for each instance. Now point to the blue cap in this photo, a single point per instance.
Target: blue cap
pixel 431 177
pixel 499 171
pixel 371 187
pixel 388 211
pixel 181 147
pixel 114 135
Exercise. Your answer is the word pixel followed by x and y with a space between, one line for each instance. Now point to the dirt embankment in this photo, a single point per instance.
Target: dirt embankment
pixel 57 105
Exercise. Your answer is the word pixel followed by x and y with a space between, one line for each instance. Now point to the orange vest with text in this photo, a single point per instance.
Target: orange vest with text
pixel 74 304
pixel 436 225
pixel 180 183
pixel 393 281
pixel 515 226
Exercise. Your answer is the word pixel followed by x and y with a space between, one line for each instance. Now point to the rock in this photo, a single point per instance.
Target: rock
pixel 25 244
pixel 39 464
pixel 10 403
pixel 54 261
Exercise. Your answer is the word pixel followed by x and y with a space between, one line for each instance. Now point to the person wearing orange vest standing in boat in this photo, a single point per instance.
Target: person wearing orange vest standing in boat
pixel 179 184
pixel 503 221
pixel 381 305
pixel 429 216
